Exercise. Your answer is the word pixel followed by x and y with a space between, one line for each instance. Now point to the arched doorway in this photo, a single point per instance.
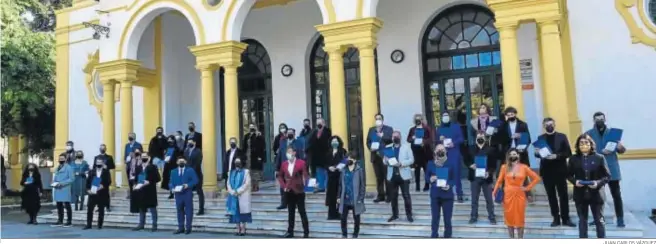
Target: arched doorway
pixel 320 90
pixel 462 65
pixel 255 97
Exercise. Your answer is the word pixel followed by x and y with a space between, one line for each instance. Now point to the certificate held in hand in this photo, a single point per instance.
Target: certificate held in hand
pixel 177 188
pixel 481 165
pixel 492 127
pixel 391 156
pixel 614 136
pixel 522 143
pixel 95 185
pixel 543 148
pixel 375 141
pixel 419 136
pixel 442 175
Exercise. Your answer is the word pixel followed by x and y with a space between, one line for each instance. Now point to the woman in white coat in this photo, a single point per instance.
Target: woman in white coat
pixel 239 198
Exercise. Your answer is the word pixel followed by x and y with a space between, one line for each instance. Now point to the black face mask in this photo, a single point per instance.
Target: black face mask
pixel 319 126
pixel 98 166
pixel 190 145
pixel 440 154
pixel 102 150
pixel 181 165
pixel 191 128
pixel 62 161
pixel 130 138
pixel 233 145
pixel 480 140
pixel 159 133
pixel 513 159
pixel 252 130
pixel 171 143
pixel 79 156
pixel 238 164
pixel 290 136
pixel 512 119
pixel 549 129
pixel 351 162
pixel 396 140
pixel 145 160
pixel 600 124
pixel 306 126
pixel 137 154
pixel 417 121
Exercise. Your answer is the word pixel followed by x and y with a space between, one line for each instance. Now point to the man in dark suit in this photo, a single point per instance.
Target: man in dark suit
pixel 108 164
pixel 184 179
pixel 196 136
pixel 194 157
pixel 512 130
pixel 157 147
pixel 292 176
pixel 254 147
pixel 553 170
pixel 97 185
pixel 318 147
pixel 231 154
pixel 375 137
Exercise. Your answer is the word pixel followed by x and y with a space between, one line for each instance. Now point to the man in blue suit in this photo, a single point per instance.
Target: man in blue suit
pixel 299 146
pixel 450 135
pixel 183 180
pixel 375 138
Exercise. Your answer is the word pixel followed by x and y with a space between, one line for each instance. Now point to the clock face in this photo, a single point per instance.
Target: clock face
pixel 397 56
pixel 286 70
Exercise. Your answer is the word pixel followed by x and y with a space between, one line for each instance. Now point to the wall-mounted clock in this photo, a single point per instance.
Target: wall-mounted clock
pixel 286 70
pixel 397 56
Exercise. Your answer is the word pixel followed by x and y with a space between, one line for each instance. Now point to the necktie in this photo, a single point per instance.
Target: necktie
pixel 180 172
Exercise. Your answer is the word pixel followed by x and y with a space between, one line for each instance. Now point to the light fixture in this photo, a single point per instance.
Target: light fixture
pixel 98 30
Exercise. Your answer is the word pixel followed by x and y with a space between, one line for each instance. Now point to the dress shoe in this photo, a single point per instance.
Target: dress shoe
pixel 288 235
pixel 58 224
pixel 355 235
pixel 68 224
pixel 281 207
pixel 620 222
pixel 493 221
pixel 377 200
pixel 472 221
pixel 410 219
pixel 306 235
pixel 86 227
pixel 568 223
pixel 154 229
pixel 138 228
pixel 171 196
pixel 201 212
pixel 555 223
pixel 187 232
pixel 178 232
pixel 460 199
pixel 30 222
pixel 392 218
pixel 100 227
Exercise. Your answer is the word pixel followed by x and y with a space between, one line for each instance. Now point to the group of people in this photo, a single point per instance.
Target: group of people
pixel 316 161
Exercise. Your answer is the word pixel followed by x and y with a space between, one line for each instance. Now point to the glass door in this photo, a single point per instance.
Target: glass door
pixel 354 121
pixel 257 110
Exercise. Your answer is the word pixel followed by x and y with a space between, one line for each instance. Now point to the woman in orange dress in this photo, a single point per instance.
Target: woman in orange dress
pixel 512 176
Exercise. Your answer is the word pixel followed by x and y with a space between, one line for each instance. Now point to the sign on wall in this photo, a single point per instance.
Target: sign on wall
pixel 526 70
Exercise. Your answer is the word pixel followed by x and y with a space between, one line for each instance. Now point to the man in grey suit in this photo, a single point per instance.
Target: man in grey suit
pixel 194 157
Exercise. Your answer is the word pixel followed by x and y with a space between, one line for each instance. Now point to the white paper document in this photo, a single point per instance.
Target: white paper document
pixel 419 141
pixel 447 141
pixel 341 166
pixel 392 161
pixel 54 184
pixel 177 189
pixel 480 173
pixel 128 159
pixel 312 182
pixel 94 190
pixel 611 146
pixel 138 186
pixel 441 182
pixel 521 147
pixel 167 158
pixel 544 152
pixel 489 131
pixel 375 146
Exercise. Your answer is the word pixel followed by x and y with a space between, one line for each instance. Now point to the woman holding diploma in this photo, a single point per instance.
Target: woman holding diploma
pixel 449 134
pixel 351 193
pixel 239 200
pixel 419 137
pixel 61 184
pixel 31 193
pixel 335 158
pixel 441 176
pixel 97 185
pixel 78 189
pixel 589 173
pixel 480 174
pixel 511 180
pixel 145 192
pixel 171 154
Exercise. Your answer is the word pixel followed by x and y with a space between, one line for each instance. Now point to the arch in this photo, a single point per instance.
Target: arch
pixel 237 11
pixel 144 15
pixel 461 63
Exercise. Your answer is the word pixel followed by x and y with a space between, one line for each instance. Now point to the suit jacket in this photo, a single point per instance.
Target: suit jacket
pixel 195 160
pixel 505 135
pixel 188 177
pixel 198 138
pixel 157 147
pixel 491 161
pixel 129 148
pixel 109 160
pixel 438 192
pixel 229 162
pixel 372 136
pixel 551 168
pixel 406 159
pixel 148 194
pixel 281 156
pixel 102 196
pixel 296 181
pixel 597 171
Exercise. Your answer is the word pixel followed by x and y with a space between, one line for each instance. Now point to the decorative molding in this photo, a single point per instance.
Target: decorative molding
pixel 645 34
pixel 226 53
pixel 90 73
pixel 353 32
pixel 75 27
pixel 632 154
pixel 269 3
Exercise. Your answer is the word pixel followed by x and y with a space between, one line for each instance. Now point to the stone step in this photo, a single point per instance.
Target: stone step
pixel 333 230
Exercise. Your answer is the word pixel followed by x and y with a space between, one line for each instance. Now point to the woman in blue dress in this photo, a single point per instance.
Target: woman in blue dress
pixel 239 198
pixel 78 189
pixel 61 184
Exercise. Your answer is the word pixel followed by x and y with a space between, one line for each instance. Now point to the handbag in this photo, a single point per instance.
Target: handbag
pixel 498 197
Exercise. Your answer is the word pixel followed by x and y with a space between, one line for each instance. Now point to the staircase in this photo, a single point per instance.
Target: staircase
pixel 269 221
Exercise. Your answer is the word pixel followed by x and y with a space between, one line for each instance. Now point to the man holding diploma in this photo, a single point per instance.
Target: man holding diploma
pixel 183 179
pixel 449 134
pixel 97 186
pixel 480 174
pixel 608 143
pixel 398 159
pixel 441 176
pixel 375 137
pixel 553 149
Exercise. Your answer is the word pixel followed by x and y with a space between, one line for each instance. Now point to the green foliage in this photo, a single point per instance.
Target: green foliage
pixel 28 89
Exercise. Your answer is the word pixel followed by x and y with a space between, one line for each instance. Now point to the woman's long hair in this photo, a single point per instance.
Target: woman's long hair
pixel 26 171
pixel 339 141
pixel 424 123
pixel 577 149
pixel 508 166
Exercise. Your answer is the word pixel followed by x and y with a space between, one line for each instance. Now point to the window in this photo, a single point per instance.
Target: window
pixel 652 10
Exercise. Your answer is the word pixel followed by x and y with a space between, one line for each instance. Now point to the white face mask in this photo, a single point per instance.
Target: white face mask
pixel 446 119
pixel 290 156
pixel 379 122
pixel 283 130
pixel 69 148
pixel 178 137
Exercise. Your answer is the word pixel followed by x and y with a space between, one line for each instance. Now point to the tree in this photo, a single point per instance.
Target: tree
pixel 28 88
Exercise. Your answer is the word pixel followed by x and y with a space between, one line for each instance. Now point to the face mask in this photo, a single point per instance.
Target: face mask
pixel 446 119
pixel 181 165
pixel 334 144
pixel 252 130
pixel 69 148
pixel 585 148
pixel 62 161
pixel 417 121
pixel 98 166
pixel 290 156
pixel 190 145
pixel 145 160
pixel 171 143
pixel 31 169
pixel 78 156
pixel 396 140
pixel 137 154
pixel 191 128
pixel 512 119
pixel 306 126
pixel 130 138
pixel 351 162
pixel 102 150
pixel 549 128
pixel 159 133
pixel 440 154
pixel 290 136
pixel 379 122
pixel 233 145
pixel 600 123
pixel 480 140
pixel 513 158
pixel 283 130
pixel 320 126
pixel 238 164
pixel 177 137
